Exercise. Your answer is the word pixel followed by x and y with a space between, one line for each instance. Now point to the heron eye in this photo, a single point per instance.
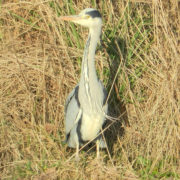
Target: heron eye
pixel 87 17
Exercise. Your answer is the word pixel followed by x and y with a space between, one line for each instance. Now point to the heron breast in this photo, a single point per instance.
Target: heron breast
pixel 90 127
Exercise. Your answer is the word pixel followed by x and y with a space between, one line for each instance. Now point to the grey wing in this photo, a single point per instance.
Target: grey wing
pixel 72 94
pixel 72 108
pixel 105 109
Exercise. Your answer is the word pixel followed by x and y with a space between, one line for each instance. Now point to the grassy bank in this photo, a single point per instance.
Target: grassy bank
pixel 139 62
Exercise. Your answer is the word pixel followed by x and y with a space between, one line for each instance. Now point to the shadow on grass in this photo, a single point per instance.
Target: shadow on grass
pixel 116 106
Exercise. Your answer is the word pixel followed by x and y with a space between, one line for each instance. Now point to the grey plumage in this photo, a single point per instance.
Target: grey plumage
pixel 85 107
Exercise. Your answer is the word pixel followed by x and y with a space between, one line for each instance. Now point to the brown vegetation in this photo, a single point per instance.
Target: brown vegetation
pixel 40 64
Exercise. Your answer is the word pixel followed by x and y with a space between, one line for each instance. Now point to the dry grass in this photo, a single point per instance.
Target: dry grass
pixel 40 64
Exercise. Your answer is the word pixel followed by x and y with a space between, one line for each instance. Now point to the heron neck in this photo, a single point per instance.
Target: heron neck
pixel 89 83
pixel 88 64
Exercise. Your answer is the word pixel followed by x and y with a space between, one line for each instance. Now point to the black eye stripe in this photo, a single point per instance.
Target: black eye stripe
pixel 94 14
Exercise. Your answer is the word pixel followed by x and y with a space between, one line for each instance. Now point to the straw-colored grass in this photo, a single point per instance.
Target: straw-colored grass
pixel 139 63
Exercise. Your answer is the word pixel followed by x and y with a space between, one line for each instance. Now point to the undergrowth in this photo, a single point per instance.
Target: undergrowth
pixel 138 62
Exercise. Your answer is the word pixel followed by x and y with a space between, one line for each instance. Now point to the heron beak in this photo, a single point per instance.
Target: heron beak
pixel 71 18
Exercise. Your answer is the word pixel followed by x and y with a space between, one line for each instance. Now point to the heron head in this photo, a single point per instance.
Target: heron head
pixel 88 17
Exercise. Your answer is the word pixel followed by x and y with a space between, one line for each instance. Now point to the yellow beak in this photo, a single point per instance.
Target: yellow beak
pixel 70 18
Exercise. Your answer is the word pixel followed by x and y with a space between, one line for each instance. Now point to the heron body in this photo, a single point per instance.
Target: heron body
pixel 86 106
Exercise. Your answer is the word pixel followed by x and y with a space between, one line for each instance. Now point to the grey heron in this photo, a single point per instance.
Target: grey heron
pixel 86 106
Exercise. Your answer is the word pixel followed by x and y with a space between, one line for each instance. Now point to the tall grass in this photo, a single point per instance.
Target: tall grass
pixel 40 60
